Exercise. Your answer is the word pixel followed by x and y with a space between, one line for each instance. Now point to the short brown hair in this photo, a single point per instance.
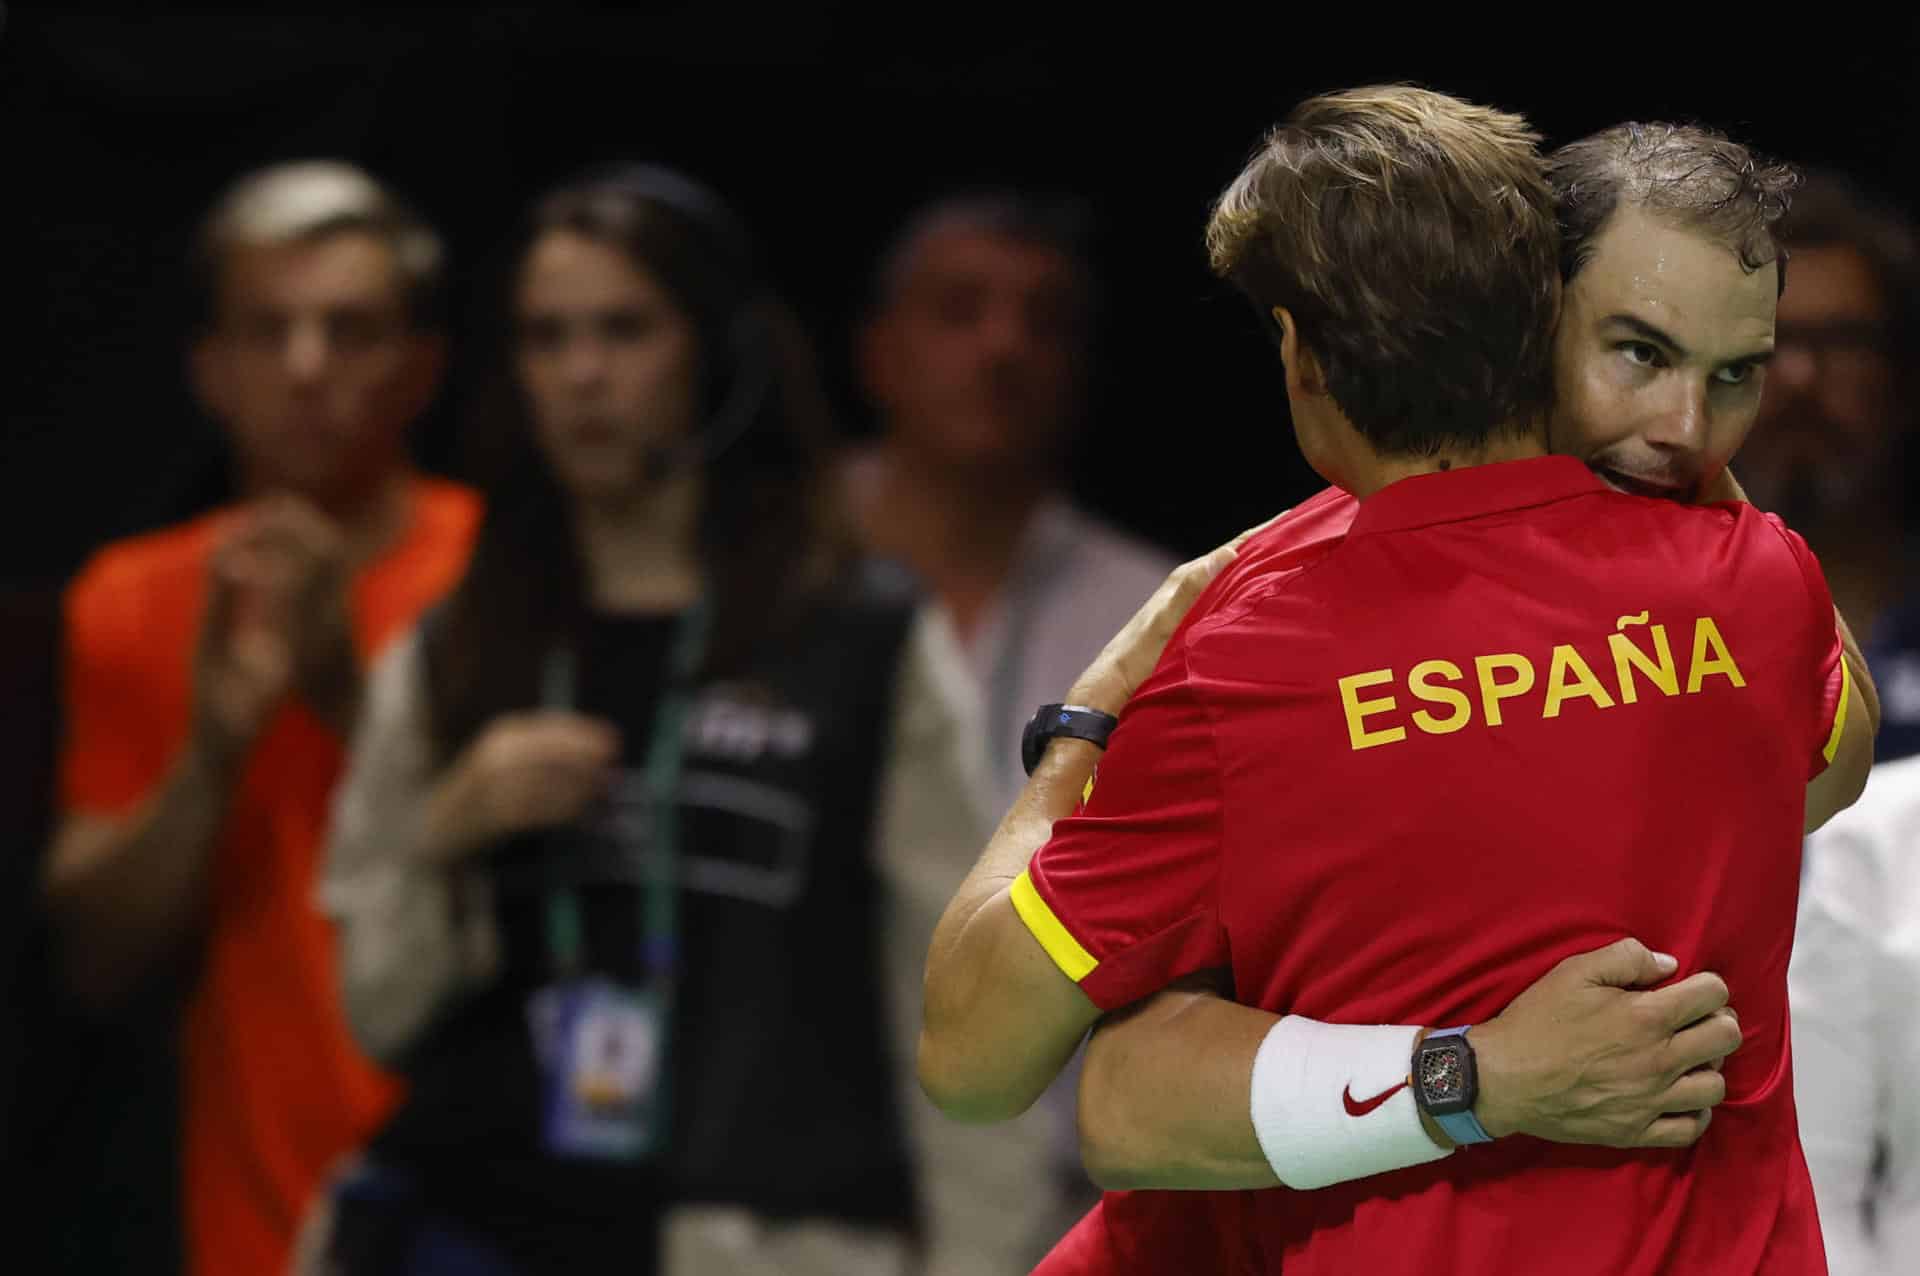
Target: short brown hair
pixel 1411 235
pixel 306 200
pixel 1692 174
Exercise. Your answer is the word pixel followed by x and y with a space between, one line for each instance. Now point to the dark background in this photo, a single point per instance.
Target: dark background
pixel 825 123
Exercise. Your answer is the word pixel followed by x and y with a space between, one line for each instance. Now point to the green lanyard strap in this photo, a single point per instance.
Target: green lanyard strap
pixel 660 900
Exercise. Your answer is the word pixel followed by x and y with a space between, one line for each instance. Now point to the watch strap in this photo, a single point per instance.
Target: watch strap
pixel 1074 721
pixel 1463 1126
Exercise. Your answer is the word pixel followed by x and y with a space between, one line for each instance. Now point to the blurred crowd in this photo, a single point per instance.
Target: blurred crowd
pixel 391 833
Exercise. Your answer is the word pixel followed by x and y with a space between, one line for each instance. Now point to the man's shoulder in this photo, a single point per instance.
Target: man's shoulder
pixel 1296 535
pixel 149 570
pixel 1279 593
pixel 1734 524
pixel 449 511
pixel 1748 558
pixel 1274 551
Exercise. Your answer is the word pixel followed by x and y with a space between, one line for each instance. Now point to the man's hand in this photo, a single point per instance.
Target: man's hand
pixel 244 660
pixel 1581 1058
pixel 277 621
pixel 311 550
pixel 1124 663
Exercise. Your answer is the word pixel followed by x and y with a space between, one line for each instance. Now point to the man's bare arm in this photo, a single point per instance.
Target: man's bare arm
pixel 1840 785
pixel 1579 1057
pixel 124 894
pixel 1001 1019
pixel 1164 1093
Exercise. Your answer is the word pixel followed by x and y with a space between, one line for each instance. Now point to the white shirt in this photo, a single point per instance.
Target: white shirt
pixel 997 1196
pixel 1075 582
pixel 1855 989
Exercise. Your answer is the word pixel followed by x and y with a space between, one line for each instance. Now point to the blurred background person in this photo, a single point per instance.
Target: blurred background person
pixel 1854 984
pixel 1834 454
pixel 211 671
pixel 603 864
pixel 1833 451
pixel 975 359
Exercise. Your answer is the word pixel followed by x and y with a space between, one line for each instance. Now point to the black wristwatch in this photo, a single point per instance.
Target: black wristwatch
pixel 1051 720
pixel 1446 1084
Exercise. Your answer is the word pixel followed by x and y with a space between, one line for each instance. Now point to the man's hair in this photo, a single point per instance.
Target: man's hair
pixel 309 200
pixel 1832 211
pixel 1692 175
pixel 1411 235
pixel 1059 224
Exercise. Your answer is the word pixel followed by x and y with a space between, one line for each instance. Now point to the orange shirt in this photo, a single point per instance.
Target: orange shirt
pixel 275 1091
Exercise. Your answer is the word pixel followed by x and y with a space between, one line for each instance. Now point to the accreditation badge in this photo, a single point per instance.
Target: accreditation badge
pixel 602 1054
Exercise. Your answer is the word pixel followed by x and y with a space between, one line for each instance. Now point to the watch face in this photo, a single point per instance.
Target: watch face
pixel 1445 1077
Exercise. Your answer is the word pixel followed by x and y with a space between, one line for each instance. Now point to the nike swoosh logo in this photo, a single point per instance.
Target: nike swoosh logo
pixel 1366 1106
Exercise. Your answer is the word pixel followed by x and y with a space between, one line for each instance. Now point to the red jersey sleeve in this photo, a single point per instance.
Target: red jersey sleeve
pixel 1124 897
pixel 108 757
pixel 1831 678
pixel 1835 681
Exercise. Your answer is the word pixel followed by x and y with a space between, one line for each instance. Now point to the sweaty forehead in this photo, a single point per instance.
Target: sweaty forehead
pixel 1678 278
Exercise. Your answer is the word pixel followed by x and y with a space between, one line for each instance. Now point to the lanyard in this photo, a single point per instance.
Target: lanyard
pixel 660 900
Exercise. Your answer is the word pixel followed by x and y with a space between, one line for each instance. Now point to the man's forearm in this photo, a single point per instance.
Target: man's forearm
pixel 1164 1095
pixel 124 894
pixel 1000 1019
pixel 1052 794
pixel 1194 1131
pixel 986 1052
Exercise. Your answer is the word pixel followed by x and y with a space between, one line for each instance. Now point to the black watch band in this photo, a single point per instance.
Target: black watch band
pixel 1073 720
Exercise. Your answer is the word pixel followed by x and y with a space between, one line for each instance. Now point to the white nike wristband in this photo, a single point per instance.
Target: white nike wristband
pixel 1332 1102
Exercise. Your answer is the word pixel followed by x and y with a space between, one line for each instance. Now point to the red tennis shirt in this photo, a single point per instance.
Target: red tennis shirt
pixel 1393 777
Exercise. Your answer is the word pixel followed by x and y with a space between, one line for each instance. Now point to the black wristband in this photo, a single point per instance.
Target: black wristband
pixel 1072 720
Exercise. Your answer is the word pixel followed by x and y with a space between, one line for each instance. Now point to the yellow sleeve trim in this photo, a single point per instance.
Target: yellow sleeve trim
pixel 1076 962
pixel 1840 714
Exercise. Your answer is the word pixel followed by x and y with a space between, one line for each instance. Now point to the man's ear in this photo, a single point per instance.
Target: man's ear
pixel 1304 376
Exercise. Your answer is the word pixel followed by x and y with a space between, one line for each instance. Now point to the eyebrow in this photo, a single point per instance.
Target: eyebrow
pixel 1641 328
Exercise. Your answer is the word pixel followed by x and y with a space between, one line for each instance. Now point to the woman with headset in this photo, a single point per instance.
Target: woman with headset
pixel 601 865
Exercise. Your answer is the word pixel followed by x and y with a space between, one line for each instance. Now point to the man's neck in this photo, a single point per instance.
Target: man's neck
pixel 1379 471
pixel 641 551
pixel 960 531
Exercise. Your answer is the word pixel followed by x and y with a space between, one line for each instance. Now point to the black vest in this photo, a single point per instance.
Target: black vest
pixel 783 1086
